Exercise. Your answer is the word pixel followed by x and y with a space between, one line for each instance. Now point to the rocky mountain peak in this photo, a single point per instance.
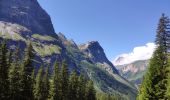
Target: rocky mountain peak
pixel 65 41
pixel 93 45
pixel 62 36
pixel 26 13
pixel 95 52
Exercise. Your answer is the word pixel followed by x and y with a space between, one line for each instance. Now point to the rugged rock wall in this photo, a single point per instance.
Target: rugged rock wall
pixel 27 13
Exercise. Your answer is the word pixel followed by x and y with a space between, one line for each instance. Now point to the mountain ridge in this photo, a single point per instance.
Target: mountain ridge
pixel 134 71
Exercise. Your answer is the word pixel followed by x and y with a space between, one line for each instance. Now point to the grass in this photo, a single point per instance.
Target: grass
pixel 46 50
pixel 43 37
pixel 41 49
pixel 14 36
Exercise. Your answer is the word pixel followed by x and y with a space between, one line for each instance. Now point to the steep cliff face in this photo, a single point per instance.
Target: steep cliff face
pixel 96 54
pixel 94 51
pixel 27 13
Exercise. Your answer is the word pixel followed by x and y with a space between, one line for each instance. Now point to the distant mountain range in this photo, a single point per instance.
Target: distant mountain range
pixel 23 21
pixel 134 71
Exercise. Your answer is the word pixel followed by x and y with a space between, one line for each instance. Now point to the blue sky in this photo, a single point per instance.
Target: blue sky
pixel 118 25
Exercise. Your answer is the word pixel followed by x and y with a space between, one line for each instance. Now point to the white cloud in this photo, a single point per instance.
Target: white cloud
pixel 138 53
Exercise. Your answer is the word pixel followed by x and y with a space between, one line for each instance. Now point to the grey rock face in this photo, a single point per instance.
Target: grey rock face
pixel 11 28
pixel 27 13
pixel 95 52
pixel 67 42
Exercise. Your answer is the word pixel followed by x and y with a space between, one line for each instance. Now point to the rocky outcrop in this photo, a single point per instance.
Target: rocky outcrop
pixel 95 52
pixel 27 13
pixel 66 41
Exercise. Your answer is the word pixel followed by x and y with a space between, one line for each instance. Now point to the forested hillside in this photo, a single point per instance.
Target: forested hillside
pixel 19 80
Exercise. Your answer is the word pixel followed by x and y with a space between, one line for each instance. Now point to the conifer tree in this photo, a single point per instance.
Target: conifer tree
pixel 14 76
pixel 45 82
pixel 90 91
pixel 154 85
pixel 64 81
pixel 168 69
pixel 81 87
pixel 73 86
pixel 38 87
pixel 26 72
pixel 55 88
pixel 33 76
pixel 4 68
pixel 9 58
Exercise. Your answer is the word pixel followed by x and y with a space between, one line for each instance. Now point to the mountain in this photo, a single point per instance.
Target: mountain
pixel 23 21
pixel 91 60
pixel 134 71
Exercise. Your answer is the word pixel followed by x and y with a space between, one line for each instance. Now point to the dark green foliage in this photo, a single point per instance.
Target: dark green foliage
pixel 168 85
pixel 26 73
pixel 14 76
pixel 33 77
pixel 4 68
pixel 18 80
pixel 64 81
pixel 90 91
pixel 41 86
pixel 77 87
pixel 73 83
pixel 38 87
pixel 81 88
pixel 154 85
pixel 55 90
pixel 104 96
pixel 10 56
pixel 46 85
